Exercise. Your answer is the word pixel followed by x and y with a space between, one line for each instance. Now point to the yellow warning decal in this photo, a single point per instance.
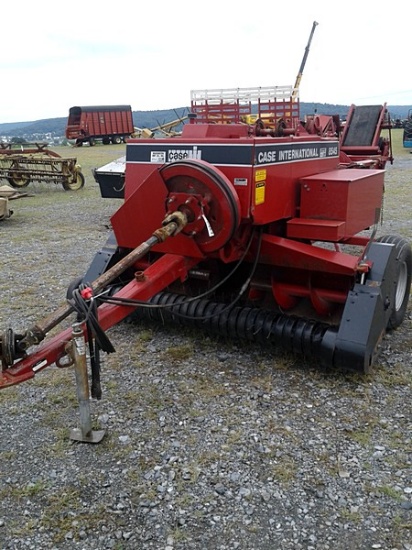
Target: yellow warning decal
pixel 260 192
pixel 260 175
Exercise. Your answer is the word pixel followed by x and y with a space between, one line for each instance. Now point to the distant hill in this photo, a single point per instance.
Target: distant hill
pixel 150 119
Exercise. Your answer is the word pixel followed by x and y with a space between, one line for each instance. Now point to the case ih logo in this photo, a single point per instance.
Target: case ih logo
pixel 182 154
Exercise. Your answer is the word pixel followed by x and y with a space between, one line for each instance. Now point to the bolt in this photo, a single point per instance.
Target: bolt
pixel 139 276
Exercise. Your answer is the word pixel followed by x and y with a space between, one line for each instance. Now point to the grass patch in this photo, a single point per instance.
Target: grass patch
pixel 180 353
pixel 283 471
pixel 390 492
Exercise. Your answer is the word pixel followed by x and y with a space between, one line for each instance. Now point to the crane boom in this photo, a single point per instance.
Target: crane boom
pixel 302 65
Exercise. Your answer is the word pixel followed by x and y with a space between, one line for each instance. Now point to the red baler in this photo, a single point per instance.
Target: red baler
pixel 252 224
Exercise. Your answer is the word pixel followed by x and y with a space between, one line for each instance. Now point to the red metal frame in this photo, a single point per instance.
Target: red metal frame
pixel 233 106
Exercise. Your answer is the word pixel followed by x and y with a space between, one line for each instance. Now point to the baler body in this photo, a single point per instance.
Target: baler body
pixel 292 189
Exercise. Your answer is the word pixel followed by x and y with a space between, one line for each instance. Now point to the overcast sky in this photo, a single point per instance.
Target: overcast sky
pixel 151 54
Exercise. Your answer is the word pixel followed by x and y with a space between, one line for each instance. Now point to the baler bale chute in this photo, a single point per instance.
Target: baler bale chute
pixel 263 231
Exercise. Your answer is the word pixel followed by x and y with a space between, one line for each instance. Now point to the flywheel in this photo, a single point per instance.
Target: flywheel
pixel 208 199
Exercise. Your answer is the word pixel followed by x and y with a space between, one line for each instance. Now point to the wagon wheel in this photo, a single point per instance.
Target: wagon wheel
pixel 74 185
pixel 116 139
pixel 18 179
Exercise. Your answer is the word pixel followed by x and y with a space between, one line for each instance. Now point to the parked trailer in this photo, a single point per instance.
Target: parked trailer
pixel 108 123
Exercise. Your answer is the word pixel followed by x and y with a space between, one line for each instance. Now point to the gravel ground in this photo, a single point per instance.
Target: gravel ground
pixel 209 444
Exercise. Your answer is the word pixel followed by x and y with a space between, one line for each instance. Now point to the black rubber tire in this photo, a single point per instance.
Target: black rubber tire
pixel 74 185
pixel 403 278
pixel 19 180
pixel 116 140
